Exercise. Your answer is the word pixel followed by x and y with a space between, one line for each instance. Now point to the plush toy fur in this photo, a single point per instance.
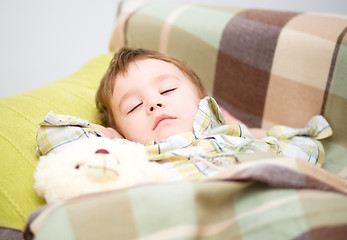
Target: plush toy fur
pixel 94 165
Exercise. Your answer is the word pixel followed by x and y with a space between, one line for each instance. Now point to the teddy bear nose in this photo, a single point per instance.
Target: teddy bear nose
pixel 101 167
pixel 102 151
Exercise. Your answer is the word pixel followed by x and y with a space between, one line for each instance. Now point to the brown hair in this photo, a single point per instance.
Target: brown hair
pixel 119 65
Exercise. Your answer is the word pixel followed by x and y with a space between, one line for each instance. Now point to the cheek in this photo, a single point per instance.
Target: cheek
pixel 188 109
pixel 194 108
pixel 191 103
pixel 192 112
pixel 133 127
pixel 188 98
pixel 120 126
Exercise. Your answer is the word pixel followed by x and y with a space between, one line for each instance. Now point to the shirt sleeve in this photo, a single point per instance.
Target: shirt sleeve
pixel 303 143
pixel 55 131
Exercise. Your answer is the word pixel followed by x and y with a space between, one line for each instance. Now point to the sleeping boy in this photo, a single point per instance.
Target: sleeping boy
pixel 148 97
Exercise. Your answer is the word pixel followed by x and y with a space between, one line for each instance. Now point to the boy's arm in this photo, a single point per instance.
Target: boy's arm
pixel 108 132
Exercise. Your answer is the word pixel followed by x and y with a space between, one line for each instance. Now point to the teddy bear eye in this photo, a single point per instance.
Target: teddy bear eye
pixel 77 166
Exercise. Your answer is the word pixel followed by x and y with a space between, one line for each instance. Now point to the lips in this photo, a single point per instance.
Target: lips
pixel 161 118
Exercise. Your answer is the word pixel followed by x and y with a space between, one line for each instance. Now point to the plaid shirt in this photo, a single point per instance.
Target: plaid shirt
pixel 211 147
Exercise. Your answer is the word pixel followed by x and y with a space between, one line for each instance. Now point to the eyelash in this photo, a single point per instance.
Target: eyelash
pixel 134 108
pixel 169 90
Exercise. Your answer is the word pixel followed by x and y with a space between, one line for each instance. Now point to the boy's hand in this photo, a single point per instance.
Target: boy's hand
pixel 258 133
pixel 108 132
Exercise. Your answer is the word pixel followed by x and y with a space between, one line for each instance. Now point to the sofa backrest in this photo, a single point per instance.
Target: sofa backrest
pixel 264 67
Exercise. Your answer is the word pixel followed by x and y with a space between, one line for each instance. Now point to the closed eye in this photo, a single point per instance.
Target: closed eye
pixel 169 90
pixel 134 108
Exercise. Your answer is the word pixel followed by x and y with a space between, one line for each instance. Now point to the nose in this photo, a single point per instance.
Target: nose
pixel 102 151
pixel 154 105
pixel 152 108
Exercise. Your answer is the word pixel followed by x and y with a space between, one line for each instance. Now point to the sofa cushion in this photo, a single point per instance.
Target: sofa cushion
pixel 20 116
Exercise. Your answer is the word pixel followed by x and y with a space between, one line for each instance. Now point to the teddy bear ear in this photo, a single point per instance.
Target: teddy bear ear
pixel 41 167
pixel 39 175
pixel 43 162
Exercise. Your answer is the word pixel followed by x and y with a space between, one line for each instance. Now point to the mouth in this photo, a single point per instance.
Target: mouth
pixel 160 119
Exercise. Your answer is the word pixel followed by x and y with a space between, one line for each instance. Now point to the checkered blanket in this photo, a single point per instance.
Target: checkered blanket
pixel 263 197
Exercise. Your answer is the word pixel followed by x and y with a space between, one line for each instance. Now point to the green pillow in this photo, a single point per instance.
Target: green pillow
pixel 20 115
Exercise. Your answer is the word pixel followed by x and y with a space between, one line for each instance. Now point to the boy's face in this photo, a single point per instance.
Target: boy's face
pixel 154 100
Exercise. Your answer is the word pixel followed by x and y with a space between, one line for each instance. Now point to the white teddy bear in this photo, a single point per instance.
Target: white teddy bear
pixel 94 165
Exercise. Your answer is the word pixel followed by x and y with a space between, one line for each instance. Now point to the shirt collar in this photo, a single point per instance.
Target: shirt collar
pixel 209 116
